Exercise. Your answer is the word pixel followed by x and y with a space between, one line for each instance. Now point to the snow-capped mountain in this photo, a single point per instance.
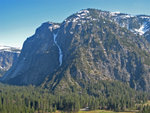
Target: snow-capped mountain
pixel 88 46
pixel 138 24
pixel 8 55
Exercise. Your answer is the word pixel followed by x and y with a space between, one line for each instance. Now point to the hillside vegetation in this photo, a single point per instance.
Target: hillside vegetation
pixel 104 95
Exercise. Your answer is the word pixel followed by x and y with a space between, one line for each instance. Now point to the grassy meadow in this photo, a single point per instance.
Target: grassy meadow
pixel 101 111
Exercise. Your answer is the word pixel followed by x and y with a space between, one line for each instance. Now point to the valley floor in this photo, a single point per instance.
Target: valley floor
pixel 101 111
pixel 105 111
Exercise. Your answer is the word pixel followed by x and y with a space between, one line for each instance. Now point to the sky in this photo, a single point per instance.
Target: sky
pixel 20 18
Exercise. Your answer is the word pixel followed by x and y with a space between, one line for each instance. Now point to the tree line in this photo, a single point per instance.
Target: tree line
pixel 103 95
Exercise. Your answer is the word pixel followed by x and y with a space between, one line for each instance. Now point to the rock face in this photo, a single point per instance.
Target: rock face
pixel 88 46
pixel 38 58
pixel 8 56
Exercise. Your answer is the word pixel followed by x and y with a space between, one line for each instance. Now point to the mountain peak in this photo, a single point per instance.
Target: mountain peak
pixel 83 11
pixel 53 26
pixel 89 46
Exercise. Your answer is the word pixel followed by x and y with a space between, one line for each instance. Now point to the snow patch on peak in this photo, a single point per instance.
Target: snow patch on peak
pixel 145 17
pixel 114 13
pixel 56 26
pixel 78 17
pixel 1 67
pixel 143 29
pixel 4 47
pixel 124 16
pixel 127 16
pixel 83 11
pixel 53 27
pixel 9 49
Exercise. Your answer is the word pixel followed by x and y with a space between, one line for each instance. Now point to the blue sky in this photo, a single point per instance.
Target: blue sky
pixel 20 18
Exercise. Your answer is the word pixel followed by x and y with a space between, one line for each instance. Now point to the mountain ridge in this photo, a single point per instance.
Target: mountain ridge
pixel 95 46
